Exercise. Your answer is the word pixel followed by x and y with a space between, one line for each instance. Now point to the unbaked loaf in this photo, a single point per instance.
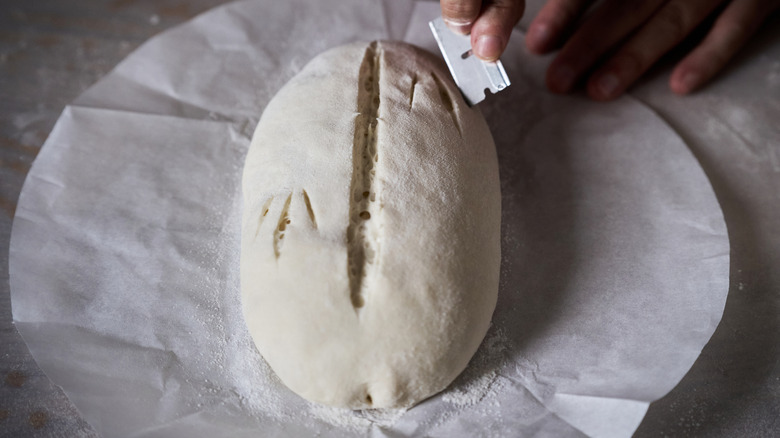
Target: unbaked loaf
pixel 370 242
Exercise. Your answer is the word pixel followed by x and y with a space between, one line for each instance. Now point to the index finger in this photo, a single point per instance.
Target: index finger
pixel 459 15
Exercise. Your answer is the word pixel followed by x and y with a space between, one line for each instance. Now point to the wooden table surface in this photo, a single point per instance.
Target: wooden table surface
pixel 52 50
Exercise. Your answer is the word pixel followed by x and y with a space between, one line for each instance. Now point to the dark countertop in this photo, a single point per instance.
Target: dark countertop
pixel 53 50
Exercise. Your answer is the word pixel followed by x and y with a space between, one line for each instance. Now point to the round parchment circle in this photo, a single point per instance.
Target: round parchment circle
pixel 124 250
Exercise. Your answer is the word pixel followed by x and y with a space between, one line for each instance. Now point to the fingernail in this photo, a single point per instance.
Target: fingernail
pixel 539 35
pixel 562 78
pixel 608 84
pixel 461 27
pixel 690 81
pixel 489 47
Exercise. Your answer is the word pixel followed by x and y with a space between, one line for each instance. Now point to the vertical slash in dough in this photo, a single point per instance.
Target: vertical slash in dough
pixel 284 220
pixel 309 209
pixel 362 244
pixel 411 91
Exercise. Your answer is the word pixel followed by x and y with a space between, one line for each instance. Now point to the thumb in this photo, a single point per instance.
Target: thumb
pixel 490 32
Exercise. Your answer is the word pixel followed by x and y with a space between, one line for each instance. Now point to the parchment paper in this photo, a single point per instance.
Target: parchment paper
pixel 124 251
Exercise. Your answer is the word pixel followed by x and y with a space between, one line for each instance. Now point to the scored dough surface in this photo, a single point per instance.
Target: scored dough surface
pixel 370 244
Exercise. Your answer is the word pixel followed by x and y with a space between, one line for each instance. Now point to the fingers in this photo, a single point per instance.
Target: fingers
pixel 490 33
pixel 738 22
pixel 552 22
pixel 642 32
pixel 610 23
pixel 459 15
pixel 667 28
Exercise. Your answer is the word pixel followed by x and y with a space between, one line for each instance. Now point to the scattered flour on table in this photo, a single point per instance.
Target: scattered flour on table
pixel 473 394
pixel 356 420
pixel 480 378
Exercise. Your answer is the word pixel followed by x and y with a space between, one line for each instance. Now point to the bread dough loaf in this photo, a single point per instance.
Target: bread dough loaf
pixel 370 241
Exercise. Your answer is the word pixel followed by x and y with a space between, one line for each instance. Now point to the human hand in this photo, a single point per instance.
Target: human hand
pixel 490 23
pixel 619 40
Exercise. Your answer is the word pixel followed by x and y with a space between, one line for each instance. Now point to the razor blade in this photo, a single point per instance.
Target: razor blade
pixel 473 75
